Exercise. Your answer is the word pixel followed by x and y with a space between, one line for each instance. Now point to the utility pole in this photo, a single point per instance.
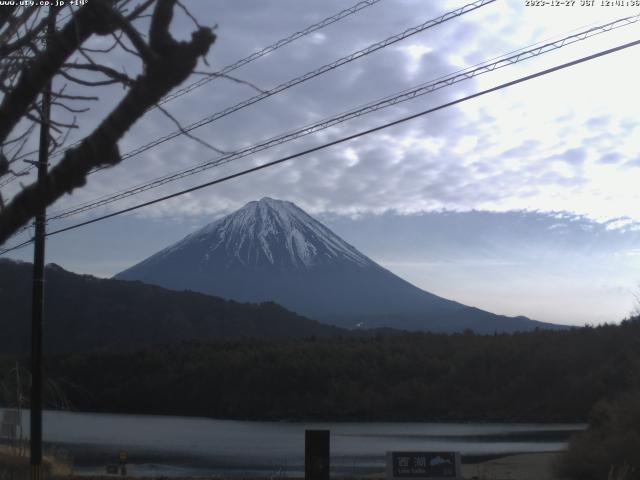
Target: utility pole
pixel 37 301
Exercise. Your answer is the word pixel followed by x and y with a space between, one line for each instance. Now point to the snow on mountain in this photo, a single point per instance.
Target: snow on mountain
pixel 271 250
pixel 269 232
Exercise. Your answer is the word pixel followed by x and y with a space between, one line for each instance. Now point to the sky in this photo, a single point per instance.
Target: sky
pixel 521 201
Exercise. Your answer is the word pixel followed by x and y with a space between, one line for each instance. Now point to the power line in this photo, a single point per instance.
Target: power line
pixel 343 139
pixel 18 174
pixel 308 76
pixel 260 53
pixel 406 95
pixel 484 67
pixel 229 68
pixel 16 247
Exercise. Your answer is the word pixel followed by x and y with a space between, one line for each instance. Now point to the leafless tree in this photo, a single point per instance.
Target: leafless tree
pixel 76 56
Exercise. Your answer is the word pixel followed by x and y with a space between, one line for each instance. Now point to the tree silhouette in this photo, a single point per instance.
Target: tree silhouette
pixel 31 57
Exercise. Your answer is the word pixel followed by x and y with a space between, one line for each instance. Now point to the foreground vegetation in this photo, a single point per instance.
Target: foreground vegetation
pixel 609 448
pixel 542 376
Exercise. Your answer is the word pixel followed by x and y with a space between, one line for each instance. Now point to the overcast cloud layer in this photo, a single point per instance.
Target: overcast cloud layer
pixel 565 142
pixel 568 142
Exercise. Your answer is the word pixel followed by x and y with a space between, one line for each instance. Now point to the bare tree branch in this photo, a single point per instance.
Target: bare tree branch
pixel 5 14
pixel 89 19
pixel 88 83
pixel 32 33
pixel 139 10
pixel 169 65
pixel 107 71
pixel 187 134
pixel 188 14
pixel 134 36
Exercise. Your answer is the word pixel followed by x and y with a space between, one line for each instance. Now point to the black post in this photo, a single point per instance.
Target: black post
pixel 37 302
pixel 316 454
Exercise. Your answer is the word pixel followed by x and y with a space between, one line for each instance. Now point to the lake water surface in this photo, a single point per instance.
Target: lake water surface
pixel 171 446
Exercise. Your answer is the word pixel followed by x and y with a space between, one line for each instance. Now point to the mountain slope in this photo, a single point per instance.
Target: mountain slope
pixel 85 313
pixel 273 250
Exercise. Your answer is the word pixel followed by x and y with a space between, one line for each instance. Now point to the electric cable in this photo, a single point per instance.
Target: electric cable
pixel 403 96
pixel 341 140
pixel 229 68
pixel 307 76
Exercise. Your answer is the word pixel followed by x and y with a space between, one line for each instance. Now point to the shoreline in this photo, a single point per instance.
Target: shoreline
pixel 528 466
pixel 525 466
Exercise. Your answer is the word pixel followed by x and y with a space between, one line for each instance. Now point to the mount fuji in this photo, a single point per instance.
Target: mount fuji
pixel 271 250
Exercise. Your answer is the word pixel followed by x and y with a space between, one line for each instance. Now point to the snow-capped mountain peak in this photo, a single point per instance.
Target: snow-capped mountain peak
pixel 270 232
pixel 271 250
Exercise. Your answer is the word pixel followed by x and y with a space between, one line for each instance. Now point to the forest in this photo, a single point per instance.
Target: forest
pixel 539 376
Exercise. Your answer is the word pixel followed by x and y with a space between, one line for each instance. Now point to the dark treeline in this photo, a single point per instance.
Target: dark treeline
pixel 85 313
pixel 608 448
pixel 537 376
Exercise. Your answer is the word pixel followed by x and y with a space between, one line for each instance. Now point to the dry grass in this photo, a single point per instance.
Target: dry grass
pixel 534 466
pixel 537 466
pixel 14 457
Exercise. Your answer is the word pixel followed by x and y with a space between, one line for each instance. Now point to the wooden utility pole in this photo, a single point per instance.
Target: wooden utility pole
pixel 37 301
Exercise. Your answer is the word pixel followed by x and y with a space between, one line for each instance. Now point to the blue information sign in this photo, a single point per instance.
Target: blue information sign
pixel 424 465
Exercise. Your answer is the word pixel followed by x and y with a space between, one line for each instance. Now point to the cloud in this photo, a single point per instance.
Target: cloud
pixel 574 156
pixel 610 158
pixel 554 266
pixel 512 190
pixel 598 122
pixel 633 163
pixel 539 145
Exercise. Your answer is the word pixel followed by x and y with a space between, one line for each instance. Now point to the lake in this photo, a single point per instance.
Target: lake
pixel 175 446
